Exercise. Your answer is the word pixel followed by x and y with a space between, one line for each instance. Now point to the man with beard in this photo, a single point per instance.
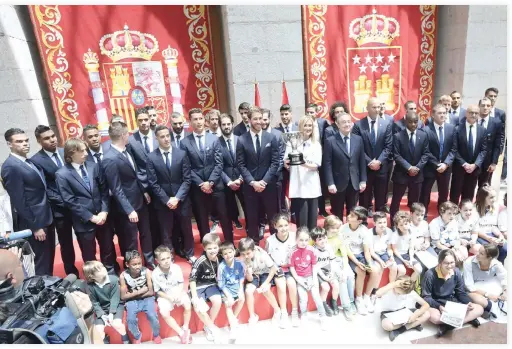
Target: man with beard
pixel 178 133
pixel 153 122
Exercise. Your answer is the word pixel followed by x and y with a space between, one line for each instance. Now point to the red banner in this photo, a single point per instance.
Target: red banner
pixel 101 60
pixel 357 52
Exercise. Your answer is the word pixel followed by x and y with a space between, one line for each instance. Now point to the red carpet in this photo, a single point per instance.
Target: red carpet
pixel 263 308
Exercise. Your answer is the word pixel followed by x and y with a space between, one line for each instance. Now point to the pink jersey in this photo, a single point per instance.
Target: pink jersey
pixel 303 260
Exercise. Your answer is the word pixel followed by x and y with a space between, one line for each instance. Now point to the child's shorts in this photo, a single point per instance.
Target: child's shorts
pixel 165 306
pixel 258 280
pixel 118 315
pixel 225 299
pixel 407 258
pixel 360 258
pixel 204 294
pixel 384 257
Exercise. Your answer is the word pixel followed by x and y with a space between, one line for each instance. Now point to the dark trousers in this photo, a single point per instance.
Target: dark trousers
pixel 463 185
pixel 376 186
pixel 154 224
pixel 64 228
pixel 345 198
pixel 258 205
pixel 105 236
pixel 484 177
pixel 282 197
pixel 231 204
pixel 44 252
pixel 325 192
pixel 398 192
pixel 202 205
pixel 87 243
pixel 176 231
pixel 504 171
pixel 443 187
pixel 129 234
pixel 306 212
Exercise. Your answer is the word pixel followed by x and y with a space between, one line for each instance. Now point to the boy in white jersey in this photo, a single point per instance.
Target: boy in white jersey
pixel 466 221
pixel 381 250
pixel 444 231
pixel 279 246
pixel 419 229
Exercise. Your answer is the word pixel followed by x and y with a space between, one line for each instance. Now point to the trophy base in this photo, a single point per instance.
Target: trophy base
pixel 296 159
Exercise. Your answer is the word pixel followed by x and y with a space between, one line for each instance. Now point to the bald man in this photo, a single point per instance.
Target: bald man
pixel 11 268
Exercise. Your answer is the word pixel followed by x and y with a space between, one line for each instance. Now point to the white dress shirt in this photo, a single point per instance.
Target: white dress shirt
pixel 253 136
pixel 93 153
pixel 77 168
pixel 52 156
pixel 175 137
pixel 290 126
pixel 457 112
pixel 436 126
pixel 305 183
pixel 493 112
pixel 473 131
pixel 486 121
pixel 169 155
pixel 413 137
pixel 121 150
pixel 149 140
pixel 232 140
pixel 202 139
pixel 375 126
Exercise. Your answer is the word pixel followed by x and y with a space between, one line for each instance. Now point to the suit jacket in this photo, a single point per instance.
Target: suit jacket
pixel 389 118
pixel 183 135
pixel 206 167
pixel 462 115
pixel 449 148
pixel 28 193
pixel 495 140
pixel 263 167
pixel 105 146
pixel 282 150
pixel 399 125
pixel 383 144
pixel 322 126
pixel 230 171
pixel 331 130
pixel 336 161
pixel 240 129
pixel 165 184
pixel 136 136
pixel 83 202
pixel 500 114
pixel 450 119
pixel 404 159
pixel 480 151
pixel 49 168
pixel 292 127
pixel 124 181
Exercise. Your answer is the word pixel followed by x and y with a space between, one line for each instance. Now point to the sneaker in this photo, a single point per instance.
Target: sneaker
pixel 284 320
pixel 209 334
pixel 253 319
pixel 295 320
pixel 361 308
pixel 238 225
pixel 348 314
pixel 191 260
pixel 328 311
pixel 232 335
pixel 353 309
pixel 368 303
pixel 334 306
pixel 304 318
pixel 323 323
pixel 138 341
pixel 186 337
pixel 157 340
pixel 213 229
pixel 276 318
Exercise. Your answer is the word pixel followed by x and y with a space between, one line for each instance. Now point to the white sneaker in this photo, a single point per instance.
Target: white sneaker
pixel 353 309
pixel 368 303
pixel 304 318
pixel 348 314
pixel 276 318
pixel 253 319
pixel 233 334
pixel 209 334
pixel 323 323
pixel 361 308
pixel 295 320
pixel 284 320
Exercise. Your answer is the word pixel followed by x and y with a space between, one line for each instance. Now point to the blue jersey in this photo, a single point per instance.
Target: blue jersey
pixel 229 277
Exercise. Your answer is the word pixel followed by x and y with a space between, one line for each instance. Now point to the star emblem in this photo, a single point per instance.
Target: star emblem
pixel 385 67
pixel 448 241
pixel 368 58
pixel 379 58
pixel 391 58
pixel 362 69
pixel 374 68
pixel 356 59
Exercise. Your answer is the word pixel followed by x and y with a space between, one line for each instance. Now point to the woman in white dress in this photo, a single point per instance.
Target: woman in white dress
pixel 304 186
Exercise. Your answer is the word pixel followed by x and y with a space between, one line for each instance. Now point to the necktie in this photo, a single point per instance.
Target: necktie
pixel 84 177
pixel 345 143
pixel 146 145
pixel 441 143
pixel 178 140
pixel 286 129
pixel 482 122
pixel 199 140
pixel 35 169
pixel 167 161
pixel 230 148
pixel 57 160
pixel 411 143
pixel 258 145
pixel 98 158
pixel 125 153
pixel 372 134
pixel 470 142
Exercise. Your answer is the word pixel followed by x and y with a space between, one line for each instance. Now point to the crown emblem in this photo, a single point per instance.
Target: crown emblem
pixel 374 28
pixel 170 53
pixel 128 44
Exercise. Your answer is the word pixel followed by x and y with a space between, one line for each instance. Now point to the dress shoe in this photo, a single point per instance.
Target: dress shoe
pixel 238 225
pixel 215 224
pixel 323 214
pixel 443 328
pixel 475 323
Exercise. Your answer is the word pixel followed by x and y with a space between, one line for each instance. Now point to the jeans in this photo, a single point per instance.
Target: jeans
pixel 347 287
pixel 315 293
pixel 502 249
pixel 136 306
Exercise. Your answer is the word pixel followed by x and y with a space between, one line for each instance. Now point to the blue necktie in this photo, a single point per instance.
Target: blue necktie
pixel 98 158
pixel 178 140
pixel 441 143
pixel 201 148
pixel 59 164
pixel 411 143
pixel 146 145
pixel 258 145
pixel 286 129
pixel 167 161
pixel 345 143
pixel 230 149
pixel 482 123
pixel 84 177
pixel 372 134
pixel 470 142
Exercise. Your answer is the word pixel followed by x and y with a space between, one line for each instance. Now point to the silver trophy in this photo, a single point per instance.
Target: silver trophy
pixel 294 139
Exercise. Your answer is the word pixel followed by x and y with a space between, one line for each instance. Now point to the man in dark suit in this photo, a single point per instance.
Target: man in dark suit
pixel 153 117
pixel 446 101
pixel 382 113
pixel 456 111
pixel 92 138
pixel 495 131
pixel 337 108
pixel 84 190
pixel 50 159
pixel 212 121
pixel 470 156
pixel 399 125
pixel 344 165
pixel 410 150
pixel 131 196
pixel 377 140
pixel 26 186
pixel 230 172
pixel 244 126
pixel 442 144
pixel 169 179
pixel 257 156
pixel 178 133
pixel 492 94
pixel 391 119
pixel 203 151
